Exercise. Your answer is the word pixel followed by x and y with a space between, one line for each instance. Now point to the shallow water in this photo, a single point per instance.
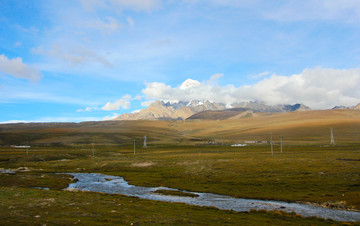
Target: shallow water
pixel 117 185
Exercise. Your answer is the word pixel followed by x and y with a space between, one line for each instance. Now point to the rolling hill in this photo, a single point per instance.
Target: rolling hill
pixel 300 126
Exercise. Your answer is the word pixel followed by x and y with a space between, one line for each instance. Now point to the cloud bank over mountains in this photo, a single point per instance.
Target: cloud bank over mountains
pixel 90 59
pixel 318 88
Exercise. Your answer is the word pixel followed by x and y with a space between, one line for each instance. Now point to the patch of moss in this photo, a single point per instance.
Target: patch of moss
pixel 35 180
pixel 87 208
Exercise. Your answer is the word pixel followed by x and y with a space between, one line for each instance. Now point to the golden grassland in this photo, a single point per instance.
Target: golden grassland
pixel 302 127
pixel 178 156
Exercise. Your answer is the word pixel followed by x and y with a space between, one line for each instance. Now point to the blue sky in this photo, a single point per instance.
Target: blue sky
pixel 78 60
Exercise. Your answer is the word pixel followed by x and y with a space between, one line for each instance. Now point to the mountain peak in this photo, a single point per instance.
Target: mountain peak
pixel 357 107
pixel 185 109
pixel 177 110
pixel 157 103
pixel 189 83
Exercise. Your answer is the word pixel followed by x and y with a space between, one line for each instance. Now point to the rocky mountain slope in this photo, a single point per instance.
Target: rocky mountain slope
pixel 357 107
pixel 163 111
pixel 262 107
pixel 197 109
pixel 247 110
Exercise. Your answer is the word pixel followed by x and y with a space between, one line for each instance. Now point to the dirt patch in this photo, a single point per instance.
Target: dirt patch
pixel 142 164
pixel 63 160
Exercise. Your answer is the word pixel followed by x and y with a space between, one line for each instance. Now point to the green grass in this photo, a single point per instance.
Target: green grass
pixel 85 208
pixel 326 175
pixel 36 180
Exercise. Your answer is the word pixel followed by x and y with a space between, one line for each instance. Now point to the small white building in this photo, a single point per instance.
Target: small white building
pixel 20 146
pixel 238 145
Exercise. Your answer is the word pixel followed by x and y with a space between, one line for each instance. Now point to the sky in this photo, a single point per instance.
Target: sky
pixel 85 60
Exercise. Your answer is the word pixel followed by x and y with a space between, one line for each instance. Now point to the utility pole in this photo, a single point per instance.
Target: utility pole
pixel 332 141
pixel 134 146
pixel 271 143
pixel 281 143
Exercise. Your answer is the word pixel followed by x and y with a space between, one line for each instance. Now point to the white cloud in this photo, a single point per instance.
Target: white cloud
pixel 138 5
pixel 130 21
pixel 319 88
pixel 189 90
pixel 260 75
pixel 67 119
pixel 160 43
pixel 138 97
pixel 294 10
pixel 214 78
pixel 11 94
pixel 87 109
pixel 15 67
pixel 17 44
pixel 109 24
pixel 124 103
pixel 345 10
pixel 147 103
pixel 189 83
pixel 111 117
pixel 54 119
pixel 74 56
pixel 92 5
pixel 13 121
pixel 120 5
pixel 31 30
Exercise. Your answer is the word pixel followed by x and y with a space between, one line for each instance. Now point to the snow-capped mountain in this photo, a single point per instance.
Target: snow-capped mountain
pixel 257 106
pixel 179 110
pixel 185 109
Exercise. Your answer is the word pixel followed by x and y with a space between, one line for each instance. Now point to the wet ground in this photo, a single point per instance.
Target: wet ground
pixel 117 185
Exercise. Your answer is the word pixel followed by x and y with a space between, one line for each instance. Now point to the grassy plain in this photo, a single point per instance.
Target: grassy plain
pixel 179 156
pixel 323 175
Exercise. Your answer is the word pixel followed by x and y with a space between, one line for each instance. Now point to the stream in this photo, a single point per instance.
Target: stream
pixel 117 185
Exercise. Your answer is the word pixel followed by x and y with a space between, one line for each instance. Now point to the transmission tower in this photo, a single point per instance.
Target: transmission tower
pixel 332 141
pixel 271 143
pixel 145 146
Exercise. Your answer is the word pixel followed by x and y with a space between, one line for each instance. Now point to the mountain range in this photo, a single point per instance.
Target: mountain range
pixel 357 107
pixel 204 109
